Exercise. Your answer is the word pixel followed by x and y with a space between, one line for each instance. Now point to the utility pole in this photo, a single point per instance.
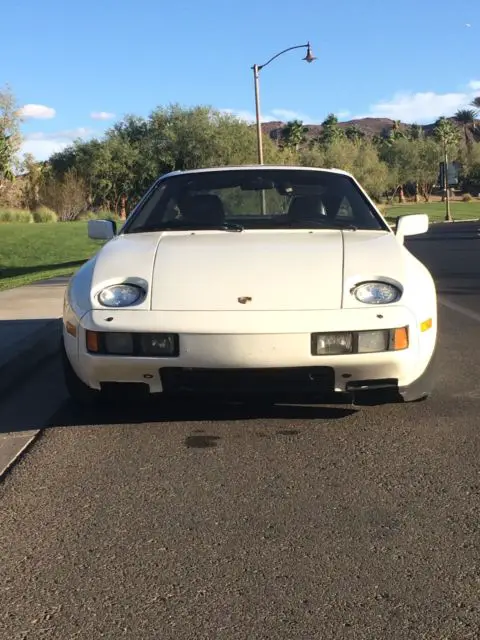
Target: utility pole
pixel 256 70
pixel 257 114
pixel 448 215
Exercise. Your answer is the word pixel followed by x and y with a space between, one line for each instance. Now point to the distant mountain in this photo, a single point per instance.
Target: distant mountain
pixel 369 126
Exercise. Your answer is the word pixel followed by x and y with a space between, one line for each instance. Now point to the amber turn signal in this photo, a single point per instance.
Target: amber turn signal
pixel 92 341
pixel 71 329
pixel 400 338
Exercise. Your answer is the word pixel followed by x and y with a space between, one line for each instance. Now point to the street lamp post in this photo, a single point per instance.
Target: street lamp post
pixel 256 71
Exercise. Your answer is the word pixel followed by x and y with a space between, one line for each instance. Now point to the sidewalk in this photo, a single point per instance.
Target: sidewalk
pixel 30 330
pixel 29 326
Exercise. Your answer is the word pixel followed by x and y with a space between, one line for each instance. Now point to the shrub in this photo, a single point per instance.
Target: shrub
pixel 106 215
pixel 467 198
pixel 99 215
pixel 87 215
pixel 44 214
pixel 67 196
pixel 15 215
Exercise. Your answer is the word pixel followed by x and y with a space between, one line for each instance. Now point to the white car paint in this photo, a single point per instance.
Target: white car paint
pixel 299 282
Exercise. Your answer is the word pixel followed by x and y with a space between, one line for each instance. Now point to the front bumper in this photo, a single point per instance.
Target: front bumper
pixel 253 350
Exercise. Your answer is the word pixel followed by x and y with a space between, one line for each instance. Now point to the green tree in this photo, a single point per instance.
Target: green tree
pixel 476 103
pixel 330 131
pixel 361 159
pixel 135 151
pixel 67 195
pixel 354 133
pixel 400 156
pixel 293 134
pixel 10 138
pixel 447 133
pixel 397 132
pixel 429 156
pixel 416 132
pixel 33 180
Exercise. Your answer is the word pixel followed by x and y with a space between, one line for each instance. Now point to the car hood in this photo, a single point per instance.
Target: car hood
pixel 268 270
pixel 252 270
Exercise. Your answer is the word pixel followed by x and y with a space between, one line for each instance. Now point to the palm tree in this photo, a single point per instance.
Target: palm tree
pixel 465 117
pixel 354 133
pixel 330 131
pixel 447 134
pixel 476 104
pixel 416 132
pixel 294 133
pixel 330 121
pixel 397 132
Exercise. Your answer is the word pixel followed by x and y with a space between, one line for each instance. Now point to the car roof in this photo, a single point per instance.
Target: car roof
pixel 250 167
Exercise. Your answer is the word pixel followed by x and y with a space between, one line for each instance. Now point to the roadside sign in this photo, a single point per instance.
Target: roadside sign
pixel 452 174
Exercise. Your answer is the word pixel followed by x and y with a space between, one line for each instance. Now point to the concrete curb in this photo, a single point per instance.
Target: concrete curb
pixel 21 361
pixel 13 446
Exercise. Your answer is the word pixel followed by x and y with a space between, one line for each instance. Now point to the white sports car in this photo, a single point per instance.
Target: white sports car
pixel 255 279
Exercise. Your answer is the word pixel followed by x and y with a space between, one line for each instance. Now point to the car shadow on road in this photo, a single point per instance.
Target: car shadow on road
pixel 151 411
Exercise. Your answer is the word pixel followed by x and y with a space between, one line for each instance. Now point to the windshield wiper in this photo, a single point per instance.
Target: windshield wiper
pixel 318 224
pixel 185 226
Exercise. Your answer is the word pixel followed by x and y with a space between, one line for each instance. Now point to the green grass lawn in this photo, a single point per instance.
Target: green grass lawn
pixel 30 252
pixel 436 210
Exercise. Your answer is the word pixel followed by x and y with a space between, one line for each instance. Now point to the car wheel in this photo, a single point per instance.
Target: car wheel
pixel 77 389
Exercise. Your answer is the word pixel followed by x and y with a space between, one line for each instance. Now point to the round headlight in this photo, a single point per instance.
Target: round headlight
pixel 120 295
pixel 376 293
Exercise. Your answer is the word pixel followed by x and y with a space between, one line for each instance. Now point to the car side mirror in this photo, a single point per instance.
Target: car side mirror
pixel 101 229
pixel 411 225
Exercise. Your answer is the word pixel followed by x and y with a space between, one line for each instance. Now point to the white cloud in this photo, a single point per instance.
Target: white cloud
pixel 102 115
pixel 67 135
pixel 42 144
pixel 283 115
pixel 42 149
pixel 248 116
pixel 36 112
pixel 341 115
pixel 422 107
pixel 286 115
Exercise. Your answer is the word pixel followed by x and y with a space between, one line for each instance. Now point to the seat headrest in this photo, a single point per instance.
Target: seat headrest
pixel 206 208
pixel 305 207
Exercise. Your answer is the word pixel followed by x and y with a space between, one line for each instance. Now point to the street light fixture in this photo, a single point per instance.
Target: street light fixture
pixel 256 69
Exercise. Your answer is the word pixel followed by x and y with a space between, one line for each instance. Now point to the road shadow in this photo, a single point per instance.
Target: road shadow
pixel 172 411
pixel 42 402
pixel 11 272
pixel 460 283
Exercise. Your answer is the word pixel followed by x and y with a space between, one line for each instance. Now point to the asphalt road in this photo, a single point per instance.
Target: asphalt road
pixel 293 522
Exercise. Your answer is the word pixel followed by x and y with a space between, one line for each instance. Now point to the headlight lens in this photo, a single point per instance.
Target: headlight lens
pixel 329 344
pixel 373 341
pixel 376 293
pixel 120 295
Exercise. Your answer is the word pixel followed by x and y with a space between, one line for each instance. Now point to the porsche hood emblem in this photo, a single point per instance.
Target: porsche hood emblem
pixel 244 299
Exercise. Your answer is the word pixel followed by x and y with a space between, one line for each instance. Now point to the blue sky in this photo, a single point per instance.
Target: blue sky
pixel 68 60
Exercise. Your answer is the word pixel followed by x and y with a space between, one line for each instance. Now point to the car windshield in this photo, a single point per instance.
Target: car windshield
pixel 239 199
